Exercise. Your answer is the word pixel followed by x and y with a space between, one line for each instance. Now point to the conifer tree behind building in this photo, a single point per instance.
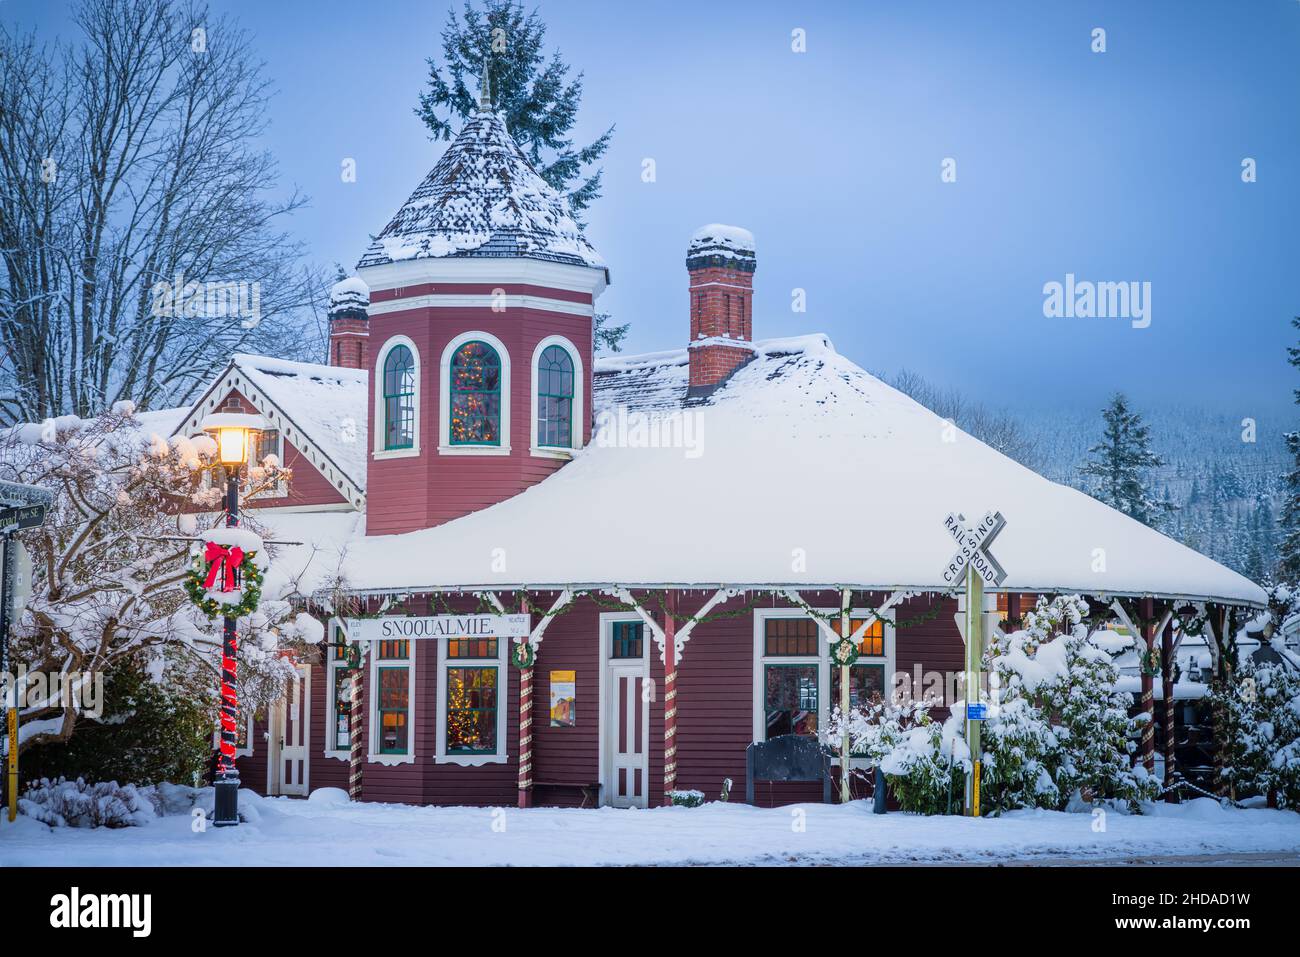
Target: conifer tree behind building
pixel 1122 461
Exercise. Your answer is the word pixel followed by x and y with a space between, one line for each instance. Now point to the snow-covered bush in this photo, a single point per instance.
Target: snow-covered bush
pixel 1074 732
pixel 1262 712
pixel 63 803
pixel 686 798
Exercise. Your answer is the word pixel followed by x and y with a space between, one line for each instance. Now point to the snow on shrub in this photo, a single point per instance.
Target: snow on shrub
pixel 686 798
pixel 1057 728
pixel 1262 711
pixel 64 803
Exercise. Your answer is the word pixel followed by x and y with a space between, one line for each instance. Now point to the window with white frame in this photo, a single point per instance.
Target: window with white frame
pixel 472 683
pixel 341 667
pixel 243 739
pixel 796 686
pixel 557 397
pixel 474 383
pixel 397 399
pixel 392 705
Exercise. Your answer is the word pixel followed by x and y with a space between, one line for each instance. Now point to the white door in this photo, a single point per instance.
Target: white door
pixel 626 715
pixel 291 736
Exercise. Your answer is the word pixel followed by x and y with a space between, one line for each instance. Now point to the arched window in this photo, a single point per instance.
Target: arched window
pixel 475 395
pixel 399 398
pixel 555 385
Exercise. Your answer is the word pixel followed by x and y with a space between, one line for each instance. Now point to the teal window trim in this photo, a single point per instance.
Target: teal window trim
pixel 624 637
pixel 452 392
pixel 493 711
pixel 381 710
pixel 399 389
pixel 815 667
pixel 549 370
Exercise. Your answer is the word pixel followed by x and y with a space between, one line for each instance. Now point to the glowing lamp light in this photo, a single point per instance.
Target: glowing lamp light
pixel 234 432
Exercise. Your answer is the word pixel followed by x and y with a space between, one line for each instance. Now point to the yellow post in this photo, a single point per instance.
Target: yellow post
pixel 974 664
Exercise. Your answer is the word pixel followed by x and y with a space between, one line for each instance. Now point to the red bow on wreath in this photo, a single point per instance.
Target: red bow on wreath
pixel 219 556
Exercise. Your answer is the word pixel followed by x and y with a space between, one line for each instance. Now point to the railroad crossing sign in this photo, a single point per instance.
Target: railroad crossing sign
pixel 973 548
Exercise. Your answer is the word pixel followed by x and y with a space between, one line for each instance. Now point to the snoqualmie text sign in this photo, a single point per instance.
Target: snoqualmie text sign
pixel 399 627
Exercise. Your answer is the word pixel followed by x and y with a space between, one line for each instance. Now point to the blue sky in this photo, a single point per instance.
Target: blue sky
pixel 1115 166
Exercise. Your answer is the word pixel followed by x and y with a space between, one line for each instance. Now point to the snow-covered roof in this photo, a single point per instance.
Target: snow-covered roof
pixel 802 470
pixel 321 409
pixel 349 293
pixel 483 199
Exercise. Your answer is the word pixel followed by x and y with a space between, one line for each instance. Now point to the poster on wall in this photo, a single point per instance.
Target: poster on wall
pixel 564 697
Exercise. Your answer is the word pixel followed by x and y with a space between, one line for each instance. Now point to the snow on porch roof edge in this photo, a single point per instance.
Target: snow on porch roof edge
pixel 776 586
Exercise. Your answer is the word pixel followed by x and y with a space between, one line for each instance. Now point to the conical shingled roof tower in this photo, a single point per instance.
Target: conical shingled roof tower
pixel 481 326
pixel 483 199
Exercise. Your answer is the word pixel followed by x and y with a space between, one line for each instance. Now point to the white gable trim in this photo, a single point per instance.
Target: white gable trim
pixel 233 379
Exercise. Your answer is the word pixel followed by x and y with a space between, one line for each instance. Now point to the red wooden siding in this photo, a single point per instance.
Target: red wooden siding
pixel 429 489
pixel 715 713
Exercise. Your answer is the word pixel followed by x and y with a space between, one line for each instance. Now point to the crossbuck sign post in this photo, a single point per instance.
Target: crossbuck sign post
pixel 979 567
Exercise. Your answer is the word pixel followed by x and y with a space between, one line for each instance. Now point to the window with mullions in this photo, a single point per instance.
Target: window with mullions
pixel 790 699
pixel 627 639
pixel 475 400
pixel 394 710
pixel 790 637
pixel 399 398
pixel 866 685
pixel 472 710
pixel 471 647
pixel 341 731
pixel 394 648
pixel 872 642
pixel 555 385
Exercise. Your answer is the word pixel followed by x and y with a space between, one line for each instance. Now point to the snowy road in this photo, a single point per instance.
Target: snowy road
pixel 322 832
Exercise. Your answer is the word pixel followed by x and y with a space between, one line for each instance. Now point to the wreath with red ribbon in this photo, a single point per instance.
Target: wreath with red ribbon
pixel 224 568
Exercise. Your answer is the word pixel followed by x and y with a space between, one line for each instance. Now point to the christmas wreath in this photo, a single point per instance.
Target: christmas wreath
pixel 225 578
pixel 844 652
pixel 1151 662
pixel 523 654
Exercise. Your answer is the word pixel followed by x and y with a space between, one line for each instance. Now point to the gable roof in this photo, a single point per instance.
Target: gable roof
pixel 483 199
pixel 808 472
pixel 321 409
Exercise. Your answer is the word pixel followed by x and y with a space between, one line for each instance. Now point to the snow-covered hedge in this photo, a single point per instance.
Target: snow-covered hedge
pixel 63 803
pixel 1058 732
pixel 686 798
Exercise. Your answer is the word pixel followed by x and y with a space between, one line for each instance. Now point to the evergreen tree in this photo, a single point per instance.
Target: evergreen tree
pixel 539 99
pixel 1123 458
pixel 1289 547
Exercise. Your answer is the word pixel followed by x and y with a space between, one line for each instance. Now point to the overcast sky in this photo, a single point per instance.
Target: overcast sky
pixel 1117 166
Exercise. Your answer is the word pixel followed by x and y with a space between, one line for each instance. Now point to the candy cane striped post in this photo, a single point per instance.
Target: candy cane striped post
pixel 525 727
pixel 1148 688
pixel 670 698
pixel 354 726
pixel 1167 686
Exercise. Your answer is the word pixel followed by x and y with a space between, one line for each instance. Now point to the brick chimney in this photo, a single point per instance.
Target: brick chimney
pixel 720 260
pixel 349 324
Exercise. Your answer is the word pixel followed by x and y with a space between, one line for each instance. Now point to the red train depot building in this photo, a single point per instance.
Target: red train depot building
pixel 683 529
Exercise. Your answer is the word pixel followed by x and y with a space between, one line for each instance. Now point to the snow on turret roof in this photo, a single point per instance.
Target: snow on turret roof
pixel 483 199
pixel 801 453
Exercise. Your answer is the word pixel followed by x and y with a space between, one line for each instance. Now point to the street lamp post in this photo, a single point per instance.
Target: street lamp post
pixel 234 433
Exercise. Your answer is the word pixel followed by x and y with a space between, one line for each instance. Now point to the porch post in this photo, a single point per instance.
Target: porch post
pixel 525 728
pixel 1167 687
pixel 1147 611
pixel 670 697
pixel 356 755
pixel 846 794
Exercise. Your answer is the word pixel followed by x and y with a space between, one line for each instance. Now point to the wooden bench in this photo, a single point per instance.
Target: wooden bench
pixel 590 792
pixel 788 757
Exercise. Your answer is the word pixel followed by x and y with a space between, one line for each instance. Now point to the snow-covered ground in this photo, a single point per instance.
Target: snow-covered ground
pixel 325 831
